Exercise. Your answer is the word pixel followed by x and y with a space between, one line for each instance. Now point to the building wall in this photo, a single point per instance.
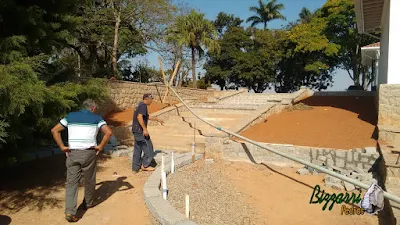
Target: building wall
pixel 394 46
pixel 384 55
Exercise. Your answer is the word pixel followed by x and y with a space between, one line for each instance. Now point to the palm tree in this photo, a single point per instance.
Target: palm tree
pixel 265 12
pixel 197 33
pixel 305 15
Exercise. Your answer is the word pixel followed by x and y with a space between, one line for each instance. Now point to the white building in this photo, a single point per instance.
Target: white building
pixel 384 16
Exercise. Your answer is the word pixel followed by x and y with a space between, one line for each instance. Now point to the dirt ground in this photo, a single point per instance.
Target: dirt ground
pixel 332 122
pixel 258 194
pixel 35 194
pixel 125 117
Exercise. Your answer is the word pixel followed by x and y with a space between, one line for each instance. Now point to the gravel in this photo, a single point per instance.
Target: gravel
pixel 213 200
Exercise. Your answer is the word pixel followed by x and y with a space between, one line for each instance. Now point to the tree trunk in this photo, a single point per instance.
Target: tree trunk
pixel 183 77
pixel 115 46
pixel 194 68
pixel 265 25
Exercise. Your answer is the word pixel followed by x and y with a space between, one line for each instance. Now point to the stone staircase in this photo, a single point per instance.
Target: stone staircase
pixel 180 131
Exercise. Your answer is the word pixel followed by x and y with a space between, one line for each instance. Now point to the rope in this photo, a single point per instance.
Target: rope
pixel 316 167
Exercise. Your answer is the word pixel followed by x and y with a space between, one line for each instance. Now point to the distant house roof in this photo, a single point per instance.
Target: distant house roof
pixel 374 45
pixel 369 14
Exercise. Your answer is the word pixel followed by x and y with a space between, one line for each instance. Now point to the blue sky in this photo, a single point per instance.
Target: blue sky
pixel 241 9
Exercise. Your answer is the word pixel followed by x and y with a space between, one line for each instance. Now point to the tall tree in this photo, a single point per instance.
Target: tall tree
pixel 342 30
pixel 224 21
pixel 305 15
pixel 197 33
pixel 265 12
pixel 309 59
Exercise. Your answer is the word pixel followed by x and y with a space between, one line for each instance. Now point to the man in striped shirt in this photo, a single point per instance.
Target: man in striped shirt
pixel 83 127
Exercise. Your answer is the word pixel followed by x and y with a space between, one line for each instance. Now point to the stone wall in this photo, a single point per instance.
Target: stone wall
pixel 125 95
pixel 389 105
pixel 389 112
pixel 361 158
pixel 123 134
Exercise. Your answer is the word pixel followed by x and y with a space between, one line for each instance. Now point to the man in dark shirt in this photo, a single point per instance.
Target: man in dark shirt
pixel 142 138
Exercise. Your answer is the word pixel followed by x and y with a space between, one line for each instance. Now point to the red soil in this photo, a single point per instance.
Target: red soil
pixel 126 116
pixel 333 122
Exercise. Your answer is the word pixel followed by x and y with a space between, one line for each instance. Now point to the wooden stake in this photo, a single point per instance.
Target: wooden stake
pixel 187 206
pixel 163 74
pixel 171 79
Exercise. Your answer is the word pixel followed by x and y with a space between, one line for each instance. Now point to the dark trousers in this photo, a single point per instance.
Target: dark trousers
pixel 142 144
pixel 78 162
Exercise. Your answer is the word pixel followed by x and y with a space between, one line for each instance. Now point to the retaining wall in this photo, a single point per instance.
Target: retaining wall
pixel 361 158
pixel 123 94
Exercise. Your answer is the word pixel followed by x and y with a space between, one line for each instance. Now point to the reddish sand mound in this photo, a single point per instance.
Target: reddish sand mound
pixel 332 122
pixel 126 116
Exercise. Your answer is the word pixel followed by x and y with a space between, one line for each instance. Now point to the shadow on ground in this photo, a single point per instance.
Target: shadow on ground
pixel 364 106
pixel 108 188
pixel 32 184
pixel 5 220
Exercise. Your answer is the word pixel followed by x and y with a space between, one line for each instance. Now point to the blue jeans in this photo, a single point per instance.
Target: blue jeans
pixel 142 144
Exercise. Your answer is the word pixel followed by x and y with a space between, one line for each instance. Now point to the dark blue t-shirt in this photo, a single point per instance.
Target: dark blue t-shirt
pixel 141 108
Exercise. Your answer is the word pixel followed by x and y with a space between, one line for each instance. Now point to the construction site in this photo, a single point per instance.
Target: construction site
pixel 232 181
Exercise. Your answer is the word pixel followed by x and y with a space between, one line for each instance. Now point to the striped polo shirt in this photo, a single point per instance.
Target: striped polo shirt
pixel 83 127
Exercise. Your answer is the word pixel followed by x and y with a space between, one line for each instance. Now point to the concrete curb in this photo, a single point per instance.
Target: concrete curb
pixel 158 207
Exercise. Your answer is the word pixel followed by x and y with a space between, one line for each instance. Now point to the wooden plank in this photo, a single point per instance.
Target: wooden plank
pixel 162 72
pixel 172 78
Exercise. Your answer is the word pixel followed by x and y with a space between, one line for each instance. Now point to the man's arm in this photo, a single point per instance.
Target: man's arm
pixel 156 119
pixel 56 130
pixel 106 137
pixel 141 122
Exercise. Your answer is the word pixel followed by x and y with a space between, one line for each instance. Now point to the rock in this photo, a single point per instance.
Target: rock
pixel 315 173
pixel 122 147
pixel 209 161
pixel 336 186
pixel 303 171
pixel 370 150
pixel 338 170
pixel 322 158
pixel 331 179
pixel 349 186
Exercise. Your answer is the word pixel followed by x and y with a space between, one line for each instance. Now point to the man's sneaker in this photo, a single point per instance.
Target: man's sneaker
pixel 71 218
pixel 149 168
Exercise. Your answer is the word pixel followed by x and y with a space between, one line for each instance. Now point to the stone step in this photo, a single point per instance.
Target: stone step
pixel 200 148
pixel 226 106
pixel 176 138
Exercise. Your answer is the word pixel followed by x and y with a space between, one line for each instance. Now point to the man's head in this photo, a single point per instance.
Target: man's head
pixel 90 104
pixel 147 98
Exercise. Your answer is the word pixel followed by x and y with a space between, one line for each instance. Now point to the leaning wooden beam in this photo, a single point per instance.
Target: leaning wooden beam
pixel 172 78
pixel 163 74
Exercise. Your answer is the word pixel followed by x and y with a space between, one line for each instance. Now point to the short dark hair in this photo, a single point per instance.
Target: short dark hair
pixel 147 95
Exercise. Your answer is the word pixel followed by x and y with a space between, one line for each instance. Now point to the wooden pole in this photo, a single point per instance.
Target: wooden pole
pixel 163 74
pixel 171 79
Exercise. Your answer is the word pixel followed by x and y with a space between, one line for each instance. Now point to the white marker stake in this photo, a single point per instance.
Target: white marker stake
pixel 164 185
pixel 187 206
pixel 172 164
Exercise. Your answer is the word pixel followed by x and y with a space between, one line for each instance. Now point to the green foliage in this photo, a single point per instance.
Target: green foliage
pixel 341 29
pixel 265 12
pixel 197 33
pixel 248 58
